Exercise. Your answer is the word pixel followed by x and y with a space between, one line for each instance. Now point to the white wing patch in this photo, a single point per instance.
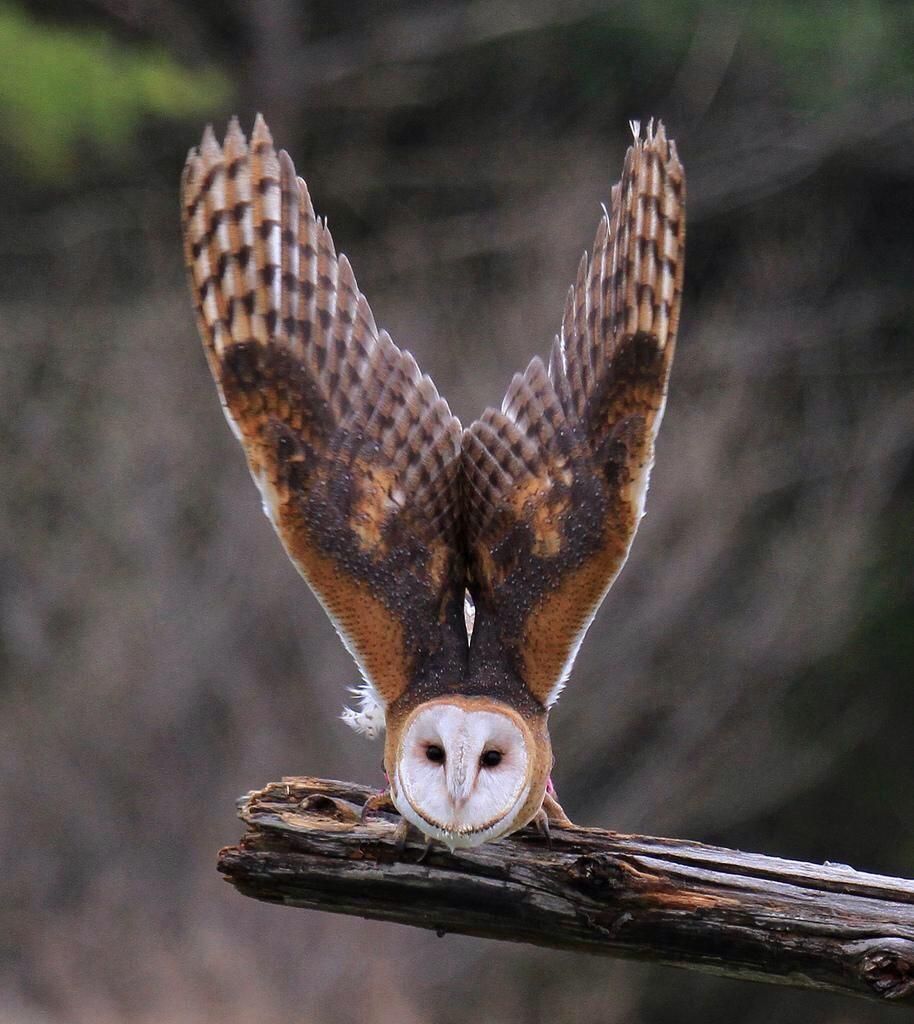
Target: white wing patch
pixel 469 614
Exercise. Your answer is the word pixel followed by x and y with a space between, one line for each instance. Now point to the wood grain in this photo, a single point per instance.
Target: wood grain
pixel 665 900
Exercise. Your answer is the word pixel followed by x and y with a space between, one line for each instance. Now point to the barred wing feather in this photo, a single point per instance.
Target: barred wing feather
pixel 555 480
pixel 355 454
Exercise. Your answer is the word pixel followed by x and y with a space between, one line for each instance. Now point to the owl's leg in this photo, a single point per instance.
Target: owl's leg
pixel 541 824
pixel 401 835
pixel 552 809
pixel 550 813
pixel 543 819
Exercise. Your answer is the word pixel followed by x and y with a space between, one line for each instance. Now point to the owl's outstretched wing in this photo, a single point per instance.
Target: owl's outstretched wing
pixel 355 454
pixel 555 480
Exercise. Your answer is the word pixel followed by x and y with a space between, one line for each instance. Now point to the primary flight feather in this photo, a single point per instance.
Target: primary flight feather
pixel 399 519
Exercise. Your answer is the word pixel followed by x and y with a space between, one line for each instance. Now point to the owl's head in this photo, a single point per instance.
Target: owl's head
pixel 468 770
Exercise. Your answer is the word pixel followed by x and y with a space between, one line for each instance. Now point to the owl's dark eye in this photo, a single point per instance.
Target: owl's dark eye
pixel 434 754
pixel 490 758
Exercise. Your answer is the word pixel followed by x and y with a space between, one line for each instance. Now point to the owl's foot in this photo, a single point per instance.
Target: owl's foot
pixel 550 814
pixel 401 836
pixel 553 811
pixel 541 824
pixel 381 801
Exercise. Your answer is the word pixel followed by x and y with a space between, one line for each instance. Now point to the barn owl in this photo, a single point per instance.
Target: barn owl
pixel 461 567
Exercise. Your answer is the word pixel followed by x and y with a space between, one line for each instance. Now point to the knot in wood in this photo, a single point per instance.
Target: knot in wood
pixel 600 872
pixel 328 807
pixel 887 967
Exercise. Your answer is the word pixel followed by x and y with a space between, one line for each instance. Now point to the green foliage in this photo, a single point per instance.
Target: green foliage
pixel 831 51
pixel 63 88
pixel 824 53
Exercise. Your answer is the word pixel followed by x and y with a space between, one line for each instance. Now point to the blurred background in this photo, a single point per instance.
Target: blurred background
pixel 749 679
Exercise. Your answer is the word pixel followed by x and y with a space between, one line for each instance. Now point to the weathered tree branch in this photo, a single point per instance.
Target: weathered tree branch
pixel 664 900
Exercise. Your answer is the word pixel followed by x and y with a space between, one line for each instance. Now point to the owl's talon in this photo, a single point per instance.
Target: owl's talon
pixel 380 801
pixel 553 811
pixel 401 835
pixel 550 815
pixel 541 824
pixel 428 846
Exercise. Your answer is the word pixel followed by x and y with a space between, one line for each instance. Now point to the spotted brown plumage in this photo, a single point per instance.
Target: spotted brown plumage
pixel 355 454
pixel 395 515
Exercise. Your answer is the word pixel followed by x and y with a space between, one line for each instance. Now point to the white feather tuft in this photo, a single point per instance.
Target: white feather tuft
pixel 370 719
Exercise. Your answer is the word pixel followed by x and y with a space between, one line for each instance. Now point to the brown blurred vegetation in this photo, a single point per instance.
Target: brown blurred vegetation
pixel 749 678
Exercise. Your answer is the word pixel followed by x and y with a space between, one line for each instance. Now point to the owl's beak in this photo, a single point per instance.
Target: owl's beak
pixel 459 778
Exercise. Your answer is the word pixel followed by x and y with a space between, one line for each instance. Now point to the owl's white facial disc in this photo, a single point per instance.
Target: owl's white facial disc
pixel 462 773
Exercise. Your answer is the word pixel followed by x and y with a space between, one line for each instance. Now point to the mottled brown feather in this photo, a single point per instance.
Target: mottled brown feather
pixel 555 480
pixel 356 456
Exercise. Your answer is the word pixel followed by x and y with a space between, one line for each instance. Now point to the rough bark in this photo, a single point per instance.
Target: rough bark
pixel 665 900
